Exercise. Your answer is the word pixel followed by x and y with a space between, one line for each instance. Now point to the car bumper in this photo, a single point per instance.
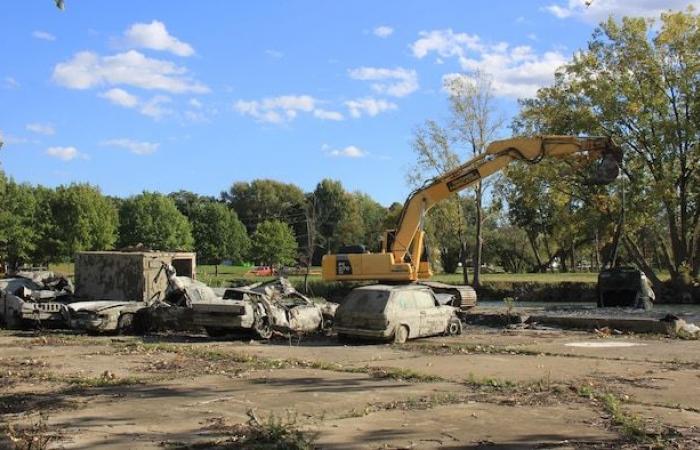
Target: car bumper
pixel 361 332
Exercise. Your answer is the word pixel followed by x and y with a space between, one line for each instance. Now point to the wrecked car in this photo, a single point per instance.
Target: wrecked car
pixel 28 300
pixel 263 308
pixel 112 287
pixel 624 287
pixel 398 312
pixel 174 310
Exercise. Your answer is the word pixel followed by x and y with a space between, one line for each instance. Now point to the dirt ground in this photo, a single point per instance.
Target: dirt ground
pixel 485 389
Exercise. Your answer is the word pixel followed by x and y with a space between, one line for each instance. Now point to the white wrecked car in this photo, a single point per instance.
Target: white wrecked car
pixel 263 308
pixel 34 299
pixel 398 312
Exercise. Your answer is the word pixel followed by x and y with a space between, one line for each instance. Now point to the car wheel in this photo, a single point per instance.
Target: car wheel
pixel 401 334
pixel 262 328
pixel 125 325
pixel 216 332
pixel 454 327
pixel 13 320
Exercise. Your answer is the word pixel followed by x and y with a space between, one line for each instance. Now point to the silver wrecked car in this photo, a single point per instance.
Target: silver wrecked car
pixel 263 308
pixel 398 312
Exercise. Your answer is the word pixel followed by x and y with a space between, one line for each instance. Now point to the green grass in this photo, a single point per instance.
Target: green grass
pixel 238 274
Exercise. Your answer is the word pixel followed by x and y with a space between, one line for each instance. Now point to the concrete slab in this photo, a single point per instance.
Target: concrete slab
pixel 467 426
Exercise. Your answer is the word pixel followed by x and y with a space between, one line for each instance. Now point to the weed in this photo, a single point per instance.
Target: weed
pixel 271 434
pixel 489 383
pixel 107 379
pixel 35 436
pixel 510 305
pixel 401 374
pixel 632 427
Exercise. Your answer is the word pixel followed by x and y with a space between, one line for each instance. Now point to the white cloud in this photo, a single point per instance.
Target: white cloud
pixel 397 82
pixel 10 83
pixel 87 70
pixel 558 11
pixel 41 128
pixel 445 43
pixel 135 147
pixel 348 152
pixel 516 71
pixel 120 97
pixel 324 114
pixel 599 10
pixel 155 36
pixel 283 109
pixel 38 34
pixel 383 31
pixel 152 108
pixel 368 106
pixel 8 139
pixel 65 153
pixel 274 53
pixel 195 103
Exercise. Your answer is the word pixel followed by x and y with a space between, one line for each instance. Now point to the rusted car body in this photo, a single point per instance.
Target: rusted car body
pixel 112 287
pixel 36 299
pixel 398 312
pixel 263 308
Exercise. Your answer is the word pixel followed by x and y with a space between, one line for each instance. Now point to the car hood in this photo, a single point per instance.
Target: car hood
pixel 100 305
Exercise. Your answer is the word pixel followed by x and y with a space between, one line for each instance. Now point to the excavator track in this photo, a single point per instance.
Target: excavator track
pixel 465 295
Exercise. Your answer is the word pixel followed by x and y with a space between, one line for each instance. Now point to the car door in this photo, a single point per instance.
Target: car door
pixel 407 312
pixel 432 319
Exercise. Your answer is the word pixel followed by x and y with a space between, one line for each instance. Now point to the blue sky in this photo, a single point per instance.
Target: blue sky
pixel 168 95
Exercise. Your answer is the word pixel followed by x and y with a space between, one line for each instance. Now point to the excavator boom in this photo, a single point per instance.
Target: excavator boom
pixel 402 257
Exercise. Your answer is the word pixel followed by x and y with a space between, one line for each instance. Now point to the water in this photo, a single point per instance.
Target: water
pixel 689 313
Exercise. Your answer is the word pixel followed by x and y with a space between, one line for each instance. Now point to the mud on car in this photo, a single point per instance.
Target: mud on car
pixel 398 312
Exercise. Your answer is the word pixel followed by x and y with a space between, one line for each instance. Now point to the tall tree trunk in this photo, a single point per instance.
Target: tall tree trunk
pixel 479 243
pixel 573 257
pixel 535 251
pixel 633 249
pixel 463 260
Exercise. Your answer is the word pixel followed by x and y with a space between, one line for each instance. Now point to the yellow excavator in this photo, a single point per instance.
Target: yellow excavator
pixel 403 256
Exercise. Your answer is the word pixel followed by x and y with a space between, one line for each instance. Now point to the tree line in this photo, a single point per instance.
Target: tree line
pixel 262 222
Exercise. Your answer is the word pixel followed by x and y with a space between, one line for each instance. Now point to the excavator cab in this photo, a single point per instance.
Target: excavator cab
pixel 355 263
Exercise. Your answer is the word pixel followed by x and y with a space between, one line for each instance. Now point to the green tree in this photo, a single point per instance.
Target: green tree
pixel 153 220
pixel 475 122
pixel 18 223
pixel 187 201
pixel 640 83
pixel 372 215
pixel 81 219
pixel 332 204
pixel 218 234
pixel 273 244
pixel 261 200
pixel 445 222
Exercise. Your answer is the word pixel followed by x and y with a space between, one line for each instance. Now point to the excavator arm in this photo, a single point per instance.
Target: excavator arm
pixel 402 258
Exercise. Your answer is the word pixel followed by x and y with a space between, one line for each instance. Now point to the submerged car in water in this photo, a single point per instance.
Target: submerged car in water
pixel 263 308
pixel 398 312
pixel 624 287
